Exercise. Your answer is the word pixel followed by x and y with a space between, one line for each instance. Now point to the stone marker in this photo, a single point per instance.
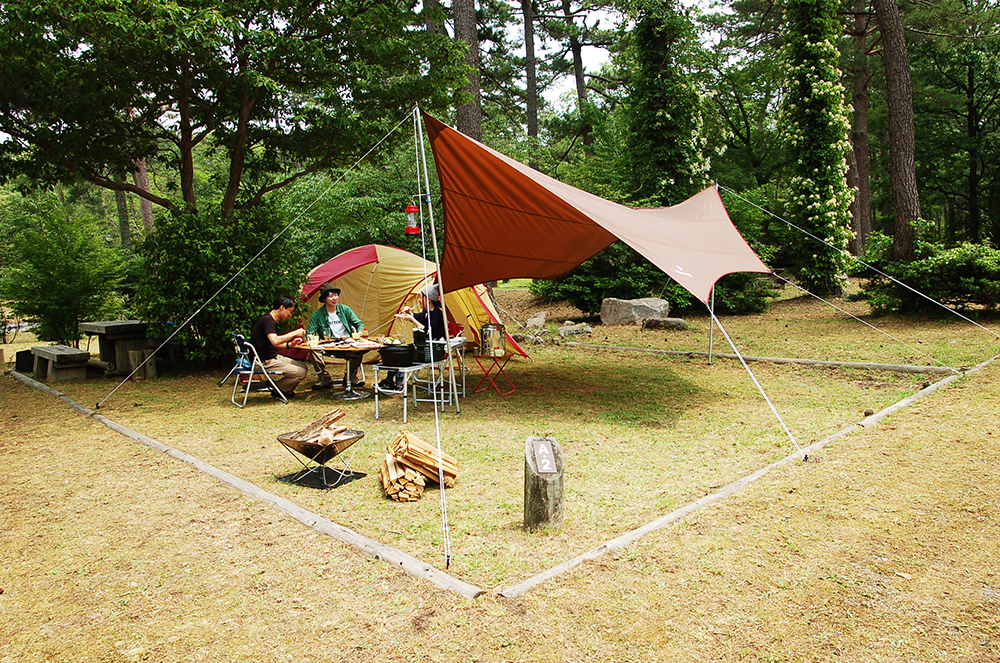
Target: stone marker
pixel 543 483
pixel 633 311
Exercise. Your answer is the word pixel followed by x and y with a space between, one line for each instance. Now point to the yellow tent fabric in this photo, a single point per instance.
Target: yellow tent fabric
pixel 377 281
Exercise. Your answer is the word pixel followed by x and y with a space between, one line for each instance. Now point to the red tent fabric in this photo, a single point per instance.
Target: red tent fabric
pixel 504 219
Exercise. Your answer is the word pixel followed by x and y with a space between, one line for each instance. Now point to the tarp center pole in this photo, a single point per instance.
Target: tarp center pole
pixel 426 197
pixel 759 387
pixel 711 326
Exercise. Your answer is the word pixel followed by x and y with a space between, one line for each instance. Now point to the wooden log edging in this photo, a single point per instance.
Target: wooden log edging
pixel 868 366
pixel 367 546
pixel 632 536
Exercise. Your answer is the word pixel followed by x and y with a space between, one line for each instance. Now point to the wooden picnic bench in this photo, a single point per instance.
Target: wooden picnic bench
pixel 59 363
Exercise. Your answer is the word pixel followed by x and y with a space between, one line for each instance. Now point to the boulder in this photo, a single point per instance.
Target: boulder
pixel 569 329
pixel 664 323
pixel 537 321
pixel 633 311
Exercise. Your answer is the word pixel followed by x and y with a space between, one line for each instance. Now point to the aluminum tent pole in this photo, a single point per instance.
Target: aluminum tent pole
pixel 711 326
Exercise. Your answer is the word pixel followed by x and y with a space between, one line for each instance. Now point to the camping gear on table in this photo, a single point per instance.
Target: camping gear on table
pixel 398 356
pixel 426 353
pixel 493 340
pixel 320 442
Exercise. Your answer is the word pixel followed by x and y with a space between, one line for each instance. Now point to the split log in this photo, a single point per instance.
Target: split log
pixel 312 432
pixel 401 483
pixel 411 451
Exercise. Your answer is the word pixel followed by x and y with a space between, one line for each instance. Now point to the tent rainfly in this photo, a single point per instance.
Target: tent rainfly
pixel 504 219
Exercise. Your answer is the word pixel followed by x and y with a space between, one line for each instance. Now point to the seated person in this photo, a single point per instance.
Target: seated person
pixel 431 316
pixel 333 320
pixel 265 339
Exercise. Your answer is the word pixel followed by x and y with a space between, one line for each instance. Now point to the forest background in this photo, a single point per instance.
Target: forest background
pixel 149 150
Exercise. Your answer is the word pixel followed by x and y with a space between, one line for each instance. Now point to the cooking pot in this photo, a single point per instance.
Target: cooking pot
pixel 492 340
pixel 398 356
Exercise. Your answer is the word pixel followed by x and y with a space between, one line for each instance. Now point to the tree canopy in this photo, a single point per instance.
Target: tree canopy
pixel 278 88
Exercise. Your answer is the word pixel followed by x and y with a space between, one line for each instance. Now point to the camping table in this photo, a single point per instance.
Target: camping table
pixel 493 365
pixel 347 354
pixel 458 348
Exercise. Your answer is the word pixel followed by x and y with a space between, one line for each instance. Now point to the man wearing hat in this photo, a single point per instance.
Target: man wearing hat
pixel 333 320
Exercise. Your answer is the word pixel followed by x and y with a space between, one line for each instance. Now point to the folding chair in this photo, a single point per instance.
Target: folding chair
pixel 250 372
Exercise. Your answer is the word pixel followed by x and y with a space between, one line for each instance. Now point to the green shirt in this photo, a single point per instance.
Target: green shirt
pixel 319 323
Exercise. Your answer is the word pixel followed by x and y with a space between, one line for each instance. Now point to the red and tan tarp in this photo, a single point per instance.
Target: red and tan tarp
pixel 504 220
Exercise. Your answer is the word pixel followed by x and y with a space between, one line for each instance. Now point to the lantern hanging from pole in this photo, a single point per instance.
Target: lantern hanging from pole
pixel 411 220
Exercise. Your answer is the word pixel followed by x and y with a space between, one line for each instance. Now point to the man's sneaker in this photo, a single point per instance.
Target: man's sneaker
pixel 322 384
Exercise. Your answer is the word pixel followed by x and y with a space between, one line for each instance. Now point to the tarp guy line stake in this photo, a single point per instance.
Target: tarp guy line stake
pixel 759 388
pixel 252 260
pixel 871 267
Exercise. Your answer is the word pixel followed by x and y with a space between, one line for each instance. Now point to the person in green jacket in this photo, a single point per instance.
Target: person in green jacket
pixel 334 320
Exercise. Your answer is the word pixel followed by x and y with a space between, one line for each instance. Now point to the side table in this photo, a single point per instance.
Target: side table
pixel 493 366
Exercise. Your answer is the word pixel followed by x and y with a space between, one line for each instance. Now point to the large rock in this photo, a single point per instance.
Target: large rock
pixel 537 321
pixel 633 311
pixel 570 329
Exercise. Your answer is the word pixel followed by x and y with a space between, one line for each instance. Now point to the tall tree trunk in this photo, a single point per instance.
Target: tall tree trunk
pixel 899 98
pixel 576 48
pixel 859 175
pixel 469 117
pixel 972 129
pixel 124 226
pixel 141 178
pixel 532 79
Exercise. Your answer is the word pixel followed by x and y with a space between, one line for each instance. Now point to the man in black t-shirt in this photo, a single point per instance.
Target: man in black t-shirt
pixel 266 340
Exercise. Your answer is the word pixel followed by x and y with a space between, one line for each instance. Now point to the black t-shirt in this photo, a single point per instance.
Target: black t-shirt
pixel 258 337
pixel 437 322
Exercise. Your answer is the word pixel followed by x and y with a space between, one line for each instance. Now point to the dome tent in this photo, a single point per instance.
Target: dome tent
pixel 378 281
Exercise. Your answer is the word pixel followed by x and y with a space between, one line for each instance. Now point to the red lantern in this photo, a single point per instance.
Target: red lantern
pixel 411 220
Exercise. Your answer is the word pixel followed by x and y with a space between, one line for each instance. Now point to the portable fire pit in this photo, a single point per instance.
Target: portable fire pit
pixel 319 443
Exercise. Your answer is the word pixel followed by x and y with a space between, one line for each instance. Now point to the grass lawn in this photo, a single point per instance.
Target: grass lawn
pixel 762 577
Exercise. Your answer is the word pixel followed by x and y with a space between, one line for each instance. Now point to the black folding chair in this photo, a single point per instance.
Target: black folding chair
pixel 250 373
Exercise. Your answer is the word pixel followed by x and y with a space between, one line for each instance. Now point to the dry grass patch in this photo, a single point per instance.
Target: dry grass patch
pixel 882 547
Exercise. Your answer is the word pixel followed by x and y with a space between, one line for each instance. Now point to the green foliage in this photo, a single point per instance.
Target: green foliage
pixel 964 277
pixel 277 89
pixel 62 272
pixel 365 207
pixel 814 119
pixel 191 257
pixel 663 160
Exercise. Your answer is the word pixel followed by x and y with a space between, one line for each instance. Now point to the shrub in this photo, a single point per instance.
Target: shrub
pixel 191 256
pixel 62 273
pixel 960 277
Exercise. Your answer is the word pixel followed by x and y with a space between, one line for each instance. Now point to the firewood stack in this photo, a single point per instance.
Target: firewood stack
pixel 410 460
pixel 401 483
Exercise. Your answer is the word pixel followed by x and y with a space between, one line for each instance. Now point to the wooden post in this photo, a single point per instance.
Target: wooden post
pixel 543 483
pixel 135 359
